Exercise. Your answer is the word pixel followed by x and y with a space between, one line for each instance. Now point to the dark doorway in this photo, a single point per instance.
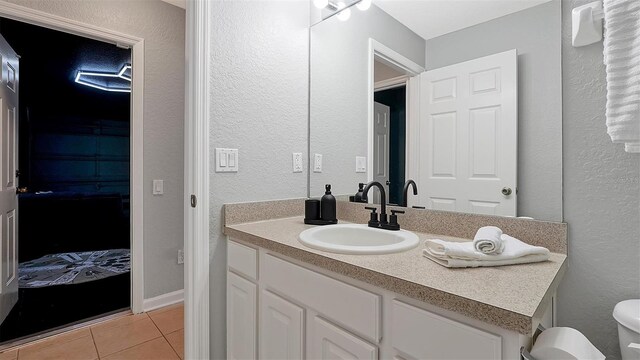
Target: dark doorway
pixel 73 217
pixel 395 99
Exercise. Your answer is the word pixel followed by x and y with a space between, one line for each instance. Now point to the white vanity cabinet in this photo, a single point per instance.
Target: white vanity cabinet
pixel 241 318
pixel 280 308
pixel 331 342
pixel 281 328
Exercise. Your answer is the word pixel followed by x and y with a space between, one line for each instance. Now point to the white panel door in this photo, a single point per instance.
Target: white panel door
pixel 281 328
pixel 468 136
pixel 329 342
pixel 241 318
pixel 8 176
pixel 381 128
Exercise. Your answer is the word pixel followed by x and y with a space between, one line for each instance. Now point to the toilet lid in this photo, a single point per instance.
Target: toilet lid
pixel 627 313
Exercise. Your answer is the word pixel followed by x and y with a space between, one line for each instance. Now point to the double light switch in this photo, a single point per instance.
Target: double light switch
pixel 226 160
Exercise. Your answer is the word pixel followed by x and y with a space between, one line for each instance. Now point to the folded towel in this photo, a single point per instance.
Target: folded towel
pixel 463 254
pixel 458 263
pixel 621 52
pixel 488 241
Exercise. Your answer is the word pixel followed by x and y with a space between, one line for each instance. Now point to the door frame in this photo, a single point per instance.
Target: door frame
pixel 136 44
pixel 390 57
pixel 196 180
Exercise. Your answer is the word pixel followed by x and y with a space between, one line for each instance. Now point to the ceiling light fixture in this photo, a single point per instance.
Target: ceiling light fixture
pixel 364 5
pixel 343 14
pixel 320 4
pixel 82 75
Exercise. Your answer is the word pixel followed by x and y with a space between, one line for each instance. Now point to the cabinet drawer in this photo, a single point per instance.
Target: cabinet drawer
pixel 353 308
pixel 242 259
pixel 332 343
pixel 424 335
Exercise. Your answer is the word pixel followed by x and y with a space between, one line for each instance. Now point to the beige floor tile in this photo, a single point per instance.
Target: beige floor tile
pixel 170 320
pixel 176 340
pixel 158 349
pixel 78 349
pixel 9 355
pixel 125 320
pixel 167 308
pixel 111 339
pixel 58 339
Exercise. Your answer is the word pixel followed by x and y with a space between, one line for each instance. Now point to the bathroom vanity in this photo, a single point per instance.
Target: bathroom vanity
pixel 288 301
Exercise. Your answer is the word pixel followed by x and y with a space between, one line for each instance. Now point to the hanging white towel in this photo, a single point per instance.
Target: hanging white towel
pixel 463 254
pixel 622 60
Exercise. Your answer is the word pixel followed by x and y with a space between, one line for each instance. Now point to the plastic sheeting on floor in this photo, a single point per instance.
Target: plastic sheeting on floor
pixel 73 268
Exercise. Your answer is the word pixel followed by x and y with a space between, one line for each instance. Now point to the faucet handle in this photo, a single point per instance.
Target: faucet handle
pixel 393 220
pixel 373 221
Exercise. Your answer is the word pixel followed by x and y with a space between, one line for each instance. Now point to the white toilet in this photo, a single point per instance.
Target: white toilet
pixel 627 314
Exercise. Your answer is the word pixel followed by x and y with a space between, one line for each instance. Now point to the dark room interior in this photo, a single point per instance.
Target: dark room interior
pixel 395 99
pixel 73 200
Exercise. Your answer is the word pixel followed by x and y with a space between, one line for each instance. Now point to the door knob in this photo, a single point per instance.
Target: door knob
pixel 506 191
pixel 388 182
pixel 21 190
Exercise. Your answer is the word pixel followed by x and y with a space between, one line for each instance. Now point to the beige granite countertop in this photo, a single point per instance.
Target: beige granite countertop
pixel 511 297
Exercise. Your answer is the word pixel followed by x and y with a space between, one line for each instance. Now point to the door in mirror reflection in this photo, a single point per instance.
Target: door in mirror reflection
pixel 393 98
pixel 381 128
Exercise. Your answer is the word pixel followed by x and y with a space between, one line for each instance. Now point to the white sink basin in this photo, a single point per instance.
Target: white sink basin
pixel 358 239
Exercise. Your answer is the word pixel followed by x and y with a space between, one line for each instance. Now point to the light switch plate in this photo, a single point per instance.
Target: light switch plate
pixel 297 162
pixel 226 160
pixel 317 163
pixel 361 164
pixel 158 187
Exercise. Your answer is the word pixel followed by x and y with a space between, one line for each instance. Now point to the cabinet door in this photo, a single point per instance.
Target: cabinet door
pixel 241 318
pixel 330 342
pixel 281 328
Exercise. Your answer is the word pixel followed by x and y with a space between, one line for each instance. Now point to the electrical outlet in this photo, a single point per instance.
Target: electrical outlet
pixel 297 162
pixel 158 187
pixel 180 256
pixel 317 163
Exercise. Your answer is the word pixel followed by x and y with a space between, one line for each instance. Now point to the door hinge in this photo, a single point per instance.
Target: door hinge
pixel 194 201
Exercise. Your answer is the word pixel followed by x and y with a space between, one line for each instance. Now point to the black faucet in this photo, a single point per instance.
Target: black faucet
pixel 406 189
pixel 383 200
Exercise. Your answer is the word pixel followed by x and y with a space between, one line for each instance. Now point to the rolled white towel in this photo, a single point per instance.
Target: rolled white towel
pixel 488 241
pixel 463 254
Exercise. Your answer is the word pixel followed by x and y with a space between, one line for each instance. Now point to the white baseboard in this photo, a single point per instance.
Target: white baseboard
pixel 163 300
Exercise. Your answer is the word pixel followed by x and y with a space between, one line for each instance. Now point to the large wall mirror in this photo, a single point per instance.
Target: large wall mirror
pixel 463 97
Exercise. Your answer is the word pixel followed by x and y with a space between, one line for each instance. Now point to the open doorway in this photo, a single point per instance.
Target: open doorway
pixel 393 101
pixel 392 119
pixel 72 150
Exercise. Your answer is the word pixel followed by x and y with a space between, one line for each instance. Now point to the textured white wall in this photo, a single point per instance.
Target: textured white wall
pixel 259 77
pixel 339 88
pixel 535 33
pixel 162 26
pixel 601 201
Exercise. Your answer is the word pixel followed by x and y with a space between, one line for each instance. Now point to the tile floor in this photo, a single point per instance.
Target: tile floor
pixel 156 335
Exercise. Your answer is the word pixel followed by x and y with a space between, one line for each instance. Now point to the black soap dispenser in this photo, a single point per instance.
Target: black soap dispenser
pixel 359 195
pixel 328 206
